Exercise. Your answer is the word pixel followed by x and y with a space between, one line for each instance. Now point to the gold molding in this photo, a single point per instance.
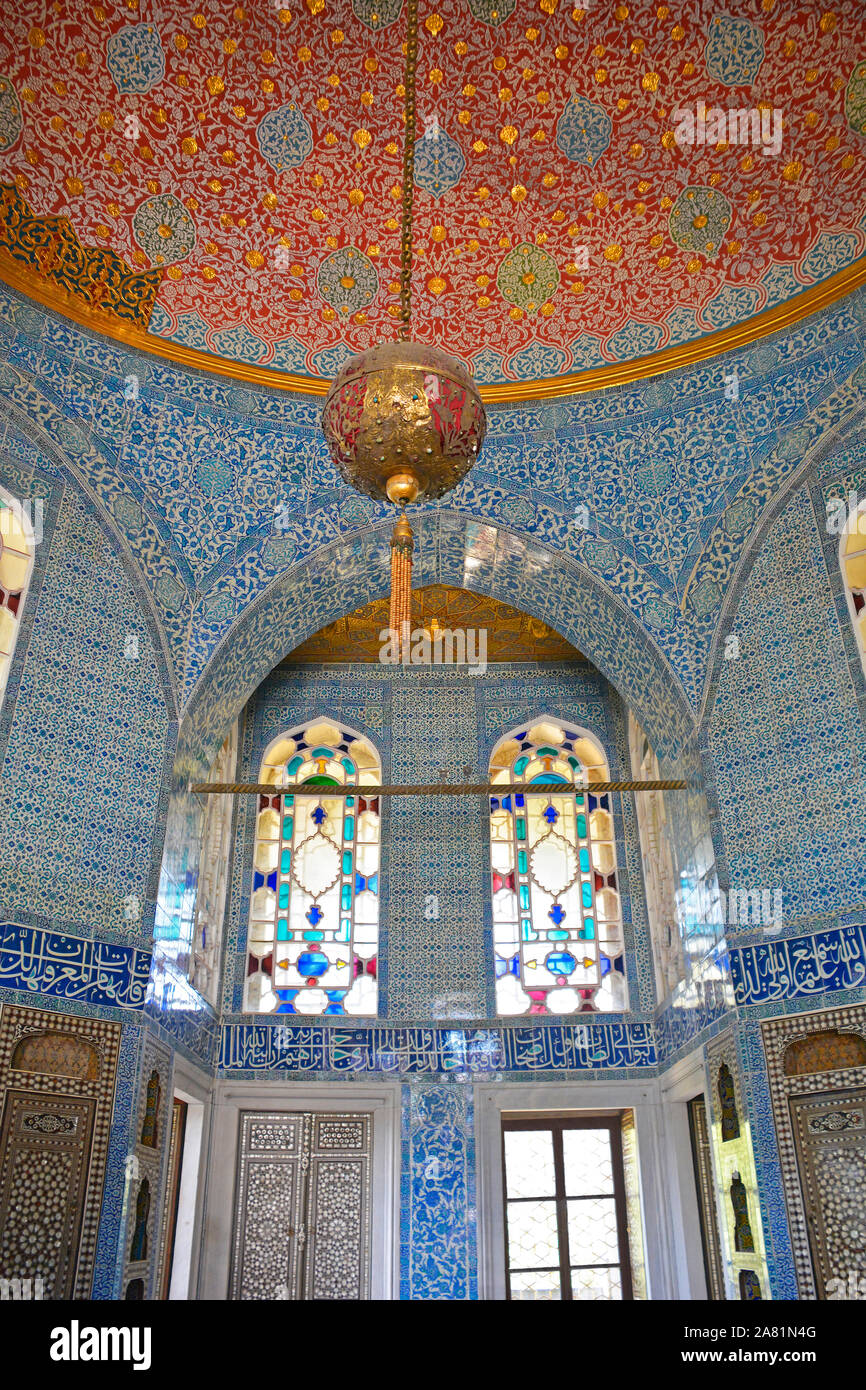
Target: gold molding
pixel 616 374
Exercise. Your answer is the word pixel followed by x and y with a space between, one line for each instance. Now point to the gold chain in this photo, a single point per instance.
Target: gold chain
pixel 408 168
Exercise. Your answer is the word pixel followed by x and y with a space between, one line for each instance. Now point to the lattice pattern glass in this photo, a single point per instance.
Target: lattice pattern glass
pixel 16 564
pixel 562 1227
pixel 314 912
pixel 557 920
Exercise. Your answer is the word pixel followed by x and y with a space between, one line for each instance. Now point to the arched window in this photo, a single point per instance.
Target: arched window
pixel 16 566
pixel 314 911
pixel 852 560
pixel 557 920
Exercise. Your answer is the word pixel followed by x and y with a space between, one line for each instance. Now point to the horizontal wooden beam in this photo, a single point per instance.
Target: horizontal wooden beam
pixel 438 789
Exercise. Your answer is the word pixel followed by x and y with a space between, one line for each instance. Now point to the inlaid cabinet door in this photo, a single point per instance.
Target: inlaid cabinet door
pixel 338 1206
pixel 44 1160
pixel 269 1207
pixel 302 1212
pixel 830 1134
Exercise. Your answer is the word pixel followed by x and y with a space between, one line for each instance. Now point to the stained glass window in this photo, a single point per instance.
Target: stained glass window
pixel 853 564
pixel 314 912
pixel 16 564
pixel 557 919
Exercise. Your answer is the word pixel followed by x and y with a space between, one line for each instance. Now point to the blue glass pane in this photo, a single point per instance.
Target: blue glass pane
pixel 312 964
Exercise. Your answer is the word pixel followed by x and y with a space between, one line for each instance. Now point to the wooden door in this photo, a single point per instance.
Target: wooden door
pixel 830 1135
pixel 44 1160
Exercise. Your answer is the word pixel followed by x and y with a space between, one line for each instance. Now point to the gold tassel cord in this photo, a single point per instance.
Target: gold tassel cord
pixel 401 585
pixel 460 789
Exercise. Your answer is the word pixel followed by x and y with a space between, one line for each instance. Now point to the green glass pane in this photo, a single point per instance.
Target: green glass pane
pixel 349 827
pixel 347 861
pixel 548 752
pixel 521 828
pixel 522 861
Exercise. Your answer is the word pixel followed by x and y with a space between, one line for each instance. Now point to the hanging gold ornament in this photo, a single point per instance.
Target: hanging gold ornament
pixel 404 421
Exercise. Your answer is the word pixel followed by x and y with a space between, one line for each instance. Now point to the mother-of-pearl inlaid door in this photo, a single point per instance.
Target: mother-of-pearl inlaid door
pixel 830 1137
pixel 302 1211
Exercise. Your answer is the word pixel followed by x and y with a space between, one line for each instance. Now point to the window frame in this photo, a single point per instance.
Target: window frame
pixel 556 1122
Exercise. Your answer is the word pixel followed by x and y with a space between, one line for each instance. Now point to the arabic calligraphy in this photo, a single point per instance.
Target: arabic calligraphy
pixel 73 967
pixel 802 965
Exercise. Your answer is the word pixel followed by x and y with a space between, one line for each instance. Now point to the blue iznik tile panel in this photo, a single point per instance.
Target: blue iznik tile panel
pixel 800 967
pixel 219 490
pixel 438 1227
pixel 612 1045
pixel 75 968
pixel 85 758
pixel 785 735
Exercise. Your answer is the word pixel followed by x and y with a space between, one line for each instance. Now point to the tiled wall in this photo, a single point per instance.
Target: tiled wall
pixel 84 762
pixel 786 735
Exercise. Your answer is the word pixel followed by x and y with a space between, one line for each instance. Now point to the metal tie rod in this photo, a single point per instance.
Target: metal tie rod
pixel 438 789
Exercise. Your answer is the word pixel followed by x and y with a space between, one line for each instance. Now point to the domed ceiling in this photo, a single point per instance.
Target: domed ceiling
pixel 595 185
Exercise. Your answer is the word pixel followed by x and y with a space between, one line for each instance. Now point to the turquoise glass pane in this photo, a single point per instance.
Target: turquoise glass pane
pixel 283 933
pixel 288 827
pixel 524 897
pixel 586 894
pixel 348 830
pixel 581 826
pixel 286 861
pixel 345 928
pixel 350 801
pixel 521 765
pixel 522 861
pixel 323 753
pixel 348 765
pixel 346 897
pixel 557 936
pixel 588 932
pixel 314 936
pixel 521 828
pixel 578 800
pixel 526 930
pixel 347 861
pixel 284 897
pixel 292 767
pixel 584 861
pixel 289 800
